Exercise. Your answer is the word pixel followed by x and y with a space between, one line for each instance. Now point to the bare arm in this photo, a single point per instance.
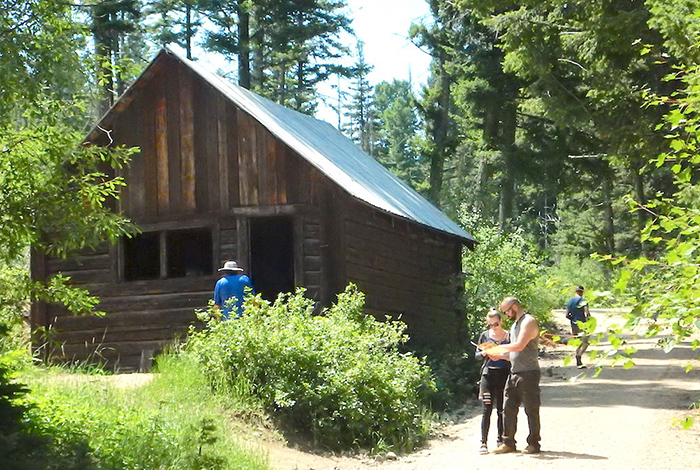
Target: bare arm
pixel 528 331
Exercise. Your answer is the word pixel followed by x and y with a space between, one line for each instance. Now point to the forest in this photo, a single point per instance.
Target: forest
pixel 562 134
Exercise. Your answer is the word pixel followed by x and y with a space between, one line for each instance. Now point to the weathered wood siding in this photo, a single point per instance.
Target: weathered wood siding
pixel 203 163
pixel 200 154
pixel 406 271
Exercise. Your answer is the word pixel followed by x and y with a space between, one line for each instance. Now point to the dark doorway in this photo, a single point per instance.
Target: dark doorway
pixel 272 256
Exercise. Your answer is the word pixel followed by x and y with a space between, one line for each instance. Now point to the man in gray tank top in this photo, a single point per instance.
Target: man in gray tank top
pixel 523 386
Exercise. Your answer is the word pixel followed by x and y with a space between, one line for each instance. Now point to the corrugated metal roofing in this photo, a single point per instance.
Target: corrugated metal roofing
pixel 336 156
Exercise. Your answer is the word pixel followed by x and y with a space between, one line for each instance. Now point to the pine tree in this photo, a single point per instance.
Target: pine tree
pixel 284 49
pixel 360 114
pixel 176 22
pixel 112 21
pixel 397 131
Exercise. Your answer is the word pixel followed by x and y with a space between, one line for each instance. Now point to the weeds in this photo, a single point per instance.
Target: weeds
pixel 172 422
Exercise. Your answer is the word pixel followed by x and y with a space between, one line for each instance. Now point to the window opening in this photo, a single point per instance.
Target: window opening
pixel 189 252
pixel 142 257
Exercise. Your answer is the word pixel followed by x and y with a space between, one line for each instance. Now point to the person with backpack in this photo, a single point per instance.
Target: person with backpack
pixel 577 311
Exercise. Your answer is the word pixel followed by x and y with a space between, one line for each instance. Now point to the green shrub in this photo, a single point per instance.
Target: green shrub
pixel 501 265
pixel 338 377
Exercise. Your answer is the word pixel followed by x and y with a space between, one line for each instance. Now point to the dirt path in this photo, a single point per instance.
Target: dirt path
pixel 620 420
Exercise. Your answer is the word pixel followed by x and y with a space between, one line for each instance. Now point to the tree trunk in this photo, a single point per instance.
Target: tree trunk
pixel 608 216
pixel 188 30
pixel 638 185
pixel 243 47
pixel 505 201
pixel 437 159
pixel 482 179
pixel 505 206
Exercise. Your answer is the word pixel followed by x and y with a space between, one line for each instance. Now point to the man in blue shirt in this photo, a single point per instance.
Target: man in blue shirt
pixel 233 285
pixel 577 311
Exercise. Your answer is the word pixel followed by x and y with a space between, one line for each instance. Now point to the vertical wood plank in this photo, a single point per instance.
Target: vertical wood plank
pixel 281 177
pixel 298 244
pixel 245 157
pixel 293 170
pixel 243 235
pixel 187 174
pixel 232 148
pixel 201 110
pixel 162 179
pixel 262 166
pixel 222 154
pixel 162 246
pixel 212 152
pixel 174 171
pixel 254 197
pixel 135 179
pixel 135 189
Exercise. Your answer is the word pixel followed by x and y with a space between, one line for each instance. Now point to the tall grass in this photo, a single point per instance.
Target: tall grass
pixel 88 422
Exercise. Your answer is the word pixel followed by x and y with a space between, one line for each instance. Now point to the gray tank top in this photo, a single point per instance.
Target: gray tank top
pixel 526 359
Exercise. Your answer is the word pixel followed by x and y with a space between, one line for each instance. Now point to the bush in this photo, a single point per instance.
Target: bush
pixel 501 265
pixel 338 378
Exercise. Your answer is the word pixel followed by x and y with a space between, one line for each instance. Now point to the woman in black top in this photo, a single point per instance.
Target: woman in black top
pixel 494 373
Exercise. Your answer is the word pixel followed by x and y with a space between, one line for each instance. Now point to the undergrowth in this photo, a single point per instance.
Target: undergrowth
pixel 79 421
pixel 337 378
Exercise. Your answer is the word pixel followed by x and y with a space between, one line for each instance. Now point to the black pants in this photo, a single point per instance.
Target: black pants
pixel 522 388
pixel 491 392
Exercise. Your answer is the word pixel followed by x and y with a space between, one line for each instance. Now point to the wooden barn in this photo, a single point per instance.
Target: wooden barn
pixel 226 174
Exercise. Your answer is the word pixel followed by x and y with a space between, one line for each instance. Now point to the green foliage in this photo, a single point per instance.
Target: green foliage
pixel 338 377
pixel 571 271
pixel 76 422
pixel 54 195
pixel 283 49
pixel 359 111
pixel 665 286
pixel 503 265
pixel 38 51
pixel 396 131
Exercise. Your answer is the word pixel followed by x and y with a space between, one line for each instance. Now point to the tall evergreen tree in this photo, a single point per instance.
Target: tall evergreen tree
pixel 436 105
pixel 176 22
pixel 359 113
pixel 397 131
pixel 283 48
pixel 112 21
pixel 581 72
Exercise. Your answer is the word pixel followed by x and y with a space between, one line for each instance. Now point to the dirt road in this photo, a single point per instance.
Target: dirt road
pixel 620 420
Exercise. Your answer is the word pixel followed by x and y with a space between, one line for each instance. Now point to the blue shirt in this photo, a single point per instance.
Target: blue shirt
pixel 576 307
pixel 235 286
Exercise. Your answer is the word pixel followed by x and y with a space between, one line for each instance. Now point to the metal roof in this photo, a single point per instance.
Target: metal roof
pixel 336 156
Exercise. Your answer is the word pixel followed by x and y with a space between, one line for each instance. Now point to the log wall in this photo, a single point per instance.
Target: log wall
pixel 407 272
